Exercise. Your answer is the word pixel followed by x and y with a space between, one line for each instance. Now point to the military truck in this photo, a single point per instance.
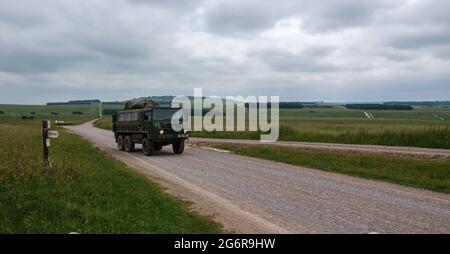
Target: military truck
pixel 145 122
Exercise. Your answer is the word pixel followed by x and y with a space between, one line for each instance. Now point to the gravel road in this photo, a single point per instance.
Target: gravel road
pixel 332 146
pixel 249 195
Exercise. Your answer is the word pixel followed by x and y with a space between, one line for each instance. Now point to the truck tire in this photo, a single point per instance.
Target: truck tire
pixel 178 147
pixel 120 143
pixel 128 144
pixel 158 147
pixel 147 147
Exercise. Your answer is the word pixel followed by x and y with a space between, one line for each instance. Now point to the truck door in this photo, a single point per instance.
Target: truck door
pixel 148 124
pixel 114 122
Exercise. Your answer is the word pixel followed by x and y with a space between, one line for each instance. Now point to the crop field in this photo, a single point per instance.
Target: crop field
pixel 421 127
pixel 86 191
pixel 71 114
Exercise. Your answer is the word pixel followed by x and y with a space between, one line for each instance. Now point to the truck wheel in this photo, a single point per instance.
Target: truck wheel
pixel 120 143
pixel 128 144
pixel 178 147
pixel 158 147
pixel 147 147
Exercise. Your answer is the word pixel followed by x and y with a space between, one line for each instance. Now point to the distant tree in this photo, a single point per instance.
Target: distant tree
pixel 1 112
pixel 379 106
pixel 420 103
pixel 291 105
pixel 55 113
pixel 318 106
pixel 77 113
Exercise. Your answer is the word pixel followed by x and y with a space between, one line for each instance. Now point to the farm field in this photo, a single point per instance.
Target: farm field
pixel 421 127
pixel 35 113
pixel 86 191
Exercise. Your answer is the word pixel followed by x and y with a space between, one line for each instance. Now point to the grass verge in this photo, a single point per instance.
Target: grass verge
pixel 87 191
pixel 427 173
pixel 104 123
pixel 436 137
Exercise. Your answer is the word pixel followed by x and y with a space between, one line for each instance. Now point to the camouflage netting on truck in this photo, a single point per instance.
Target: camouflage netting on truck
pixel 140 103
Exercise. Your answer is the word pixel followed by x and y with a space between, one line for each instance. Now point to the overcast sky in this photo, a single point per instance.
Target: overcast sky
pixel 300 50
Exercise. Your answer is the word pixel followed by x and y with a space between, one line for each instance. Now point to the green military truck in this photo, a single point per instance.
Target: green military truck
pixel 145 122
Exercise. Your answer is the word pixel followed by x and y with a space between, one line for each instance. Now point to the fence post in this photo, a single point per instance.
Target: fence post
pixel 46 142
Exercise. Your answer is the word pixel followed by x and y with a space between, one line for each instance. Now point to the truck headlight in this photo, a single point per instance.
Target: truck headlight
pixel 161 132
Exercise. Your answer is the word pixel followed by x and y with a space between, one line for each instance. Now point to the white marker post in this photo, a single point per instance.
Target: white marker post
pixel 46 136
pixel 100 113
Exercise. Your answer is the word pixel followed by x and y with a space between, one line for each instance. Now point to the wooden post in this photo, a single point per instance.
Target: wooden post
pixel 46 142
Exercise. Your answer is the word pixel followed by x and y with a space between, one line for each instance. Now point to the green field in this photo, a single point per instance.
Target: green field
pixel 104 123
pixel 415 171
pixel 421 127
pixel 14 113
pixel 86 191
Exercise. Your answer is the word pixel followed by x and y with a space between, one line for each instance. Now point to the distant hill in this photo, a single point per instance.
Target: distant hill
pixel 420 103
pixel 112 102
pixel 379 106
pixel 74 102
pixel 167 99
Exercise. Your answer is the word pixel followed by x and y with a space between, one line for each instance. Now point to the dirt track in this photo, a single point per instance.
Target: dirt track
pixel 250 195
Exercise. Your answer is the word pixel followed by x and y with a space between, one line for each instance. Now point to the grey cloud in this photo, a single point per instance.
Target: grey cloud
pixel 398 55
pixel 21 14
pixel 339 14
pixel 172 4
pixel 419 13
pixel 243 17
pixel 442 52
pixel 309 60
pixel 115 49
pixel 29 61
pixel 420 37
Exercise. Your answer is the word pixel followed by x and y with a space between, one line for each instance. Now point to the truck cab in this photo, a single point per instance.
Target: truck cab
pixel 150 126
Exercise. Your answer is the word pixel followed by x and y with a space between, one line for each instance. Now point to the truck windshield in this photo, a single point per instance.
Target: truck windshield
pixel 164 114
